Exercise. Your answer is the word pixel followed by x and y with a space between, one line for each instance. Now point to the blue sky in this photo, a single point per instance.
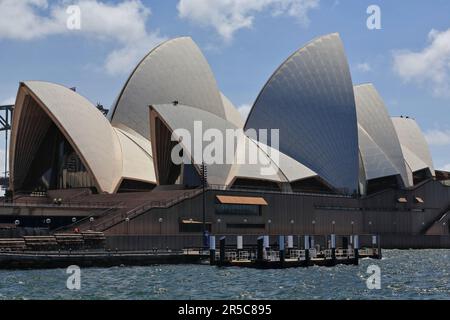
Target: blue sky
pixel 244 41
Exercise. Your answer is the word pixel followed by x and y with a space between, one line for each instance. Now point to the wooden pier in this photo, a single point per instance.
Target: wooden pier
pixel 94 259
pixel 264 256
pixel 85 250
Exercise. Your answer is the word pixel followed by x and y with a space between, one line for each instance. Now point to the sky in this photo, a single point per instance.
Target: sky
pixel 407 59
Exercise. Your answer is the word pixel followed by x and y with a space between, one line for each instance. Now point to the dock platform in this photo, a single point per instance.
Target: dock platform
pixel 94 259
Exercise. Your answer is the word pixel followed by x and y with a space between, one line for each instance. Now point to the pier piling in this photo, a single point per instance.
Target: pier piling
pixel 307 258
pixel 222 250
pixel 260 250
pixel 282 251
pixel 333 248
pixel 356 248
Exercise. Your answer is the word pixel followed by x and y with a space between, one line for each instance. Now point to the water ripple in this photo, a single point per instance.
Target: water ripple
pixel 406 274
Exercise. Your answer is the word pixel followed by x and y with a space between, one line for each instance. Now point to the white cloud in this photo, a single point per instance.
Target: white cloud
pixel 429 67
pixel 364 67
pixel 122 23
pixel 8 101
pixel 446 167
pixel 228 16
pixel 438 137
pixel 244 110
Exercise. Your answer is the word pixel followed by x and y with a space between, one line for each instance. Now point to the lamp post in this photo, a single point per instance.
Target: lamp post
pixel 204 172
pixel 47 222
pixel 333 223
pixel 352 223
pixel 292 226
pixel 370 227
pixel 127 221
pixel 269 222
pixel 160 220
pixel 91 220
pixel 314 226
pixel 218 224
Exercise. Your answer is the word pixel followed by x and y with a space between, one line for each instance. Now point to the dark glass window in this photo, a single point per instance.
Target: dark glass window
pixel 193 227
pixel 238 209
pixel 246 226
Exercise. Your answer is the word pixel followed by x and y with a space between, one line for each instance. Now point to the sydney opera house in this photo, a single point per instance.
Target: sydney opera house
pixel 343 164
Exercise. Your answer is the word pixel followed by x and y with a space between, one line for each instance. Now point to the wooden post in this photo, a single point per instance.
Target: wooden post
pixel 222 250
pixel 212 250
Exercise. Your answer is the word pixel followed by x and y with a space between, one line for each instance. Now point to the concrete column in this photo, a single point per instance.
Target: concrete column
pixel 240 242
pixel 290 241
pixel 356 248
pixel 281 245
pixel 307 247
pixel 212 250
pixel 260 250
pixel 333 246
pixel 222 250
pixel 266 242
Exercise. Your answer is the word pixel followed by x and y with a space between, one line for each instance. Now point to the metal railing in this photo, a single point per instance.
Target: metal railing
pixel 345 253
pixel 133 213
pixel 274 191
pixel 297 254
pixel 66 204
pixel 84 220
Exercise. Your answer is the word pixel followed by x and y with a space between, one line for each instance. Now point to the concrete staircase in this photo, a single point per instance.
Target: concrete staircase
pixel 133 205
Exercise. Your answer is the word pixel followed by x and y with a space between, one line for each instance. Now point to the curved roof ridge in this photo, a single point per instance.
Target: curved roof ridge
pixel 310 42
pixel 374 118
pixel 78 120
pixel 116 102
pixel 176 70
pixel 311 93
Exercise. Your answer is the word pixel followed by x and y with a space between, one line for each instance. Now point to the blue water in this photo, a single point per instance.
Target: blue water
pixel 411 274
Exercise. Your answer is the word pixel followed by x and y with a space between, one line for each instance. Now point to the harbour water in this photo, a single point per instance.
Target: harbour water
pixel 405 274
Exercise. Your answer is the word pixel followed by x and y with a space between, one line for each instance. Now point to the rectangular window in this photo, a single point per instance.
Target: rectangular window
pixel 246 226
pixel 238 209
pixel 193 227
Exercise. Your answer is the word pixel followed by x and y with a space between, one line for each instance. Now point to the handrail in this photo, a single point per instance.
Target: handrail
pixel 133 213
pixel 432 222
pixel 67 204
pixel 85 219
